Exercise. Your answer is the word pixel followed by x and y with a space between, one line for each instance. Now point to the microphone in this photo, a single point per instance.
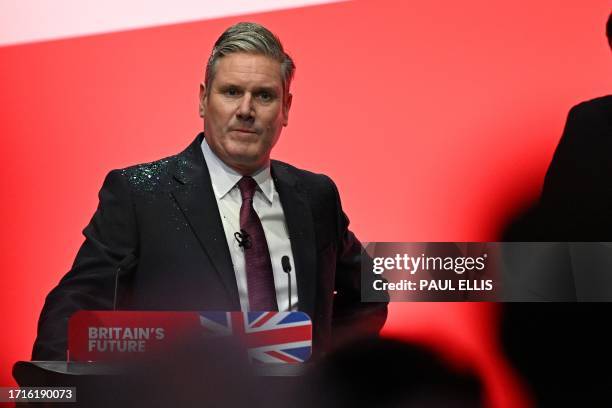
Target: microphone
pixel 125 265
pixel 287 269
pixel 243 238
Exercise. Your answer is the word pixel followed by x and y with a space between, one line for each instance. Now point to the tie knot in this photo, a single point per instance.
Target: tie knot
pixel 247 186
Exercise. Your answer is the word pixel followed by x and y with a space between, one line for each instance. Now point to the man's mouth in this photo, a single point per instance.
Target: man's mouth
pixel 244 130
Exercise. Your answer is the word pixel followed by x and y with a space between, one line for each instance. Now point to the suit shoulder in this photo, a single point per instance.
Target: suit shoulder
pixel 305 177
pixel 147 177
pixel 594 107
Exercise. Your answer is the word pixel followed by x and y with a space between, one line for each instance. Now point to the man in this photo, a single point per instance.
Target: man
pixel 563 349
pixel 577 198
pixel 574 213
pixel 213 227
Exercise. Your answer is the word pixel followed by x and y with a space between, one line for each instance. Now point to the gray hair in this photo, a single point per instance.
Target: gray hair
pixel 251 38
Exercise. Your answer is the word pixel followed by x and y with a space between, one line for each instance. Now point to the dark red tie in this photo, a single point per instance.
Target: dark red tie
pixel 260 279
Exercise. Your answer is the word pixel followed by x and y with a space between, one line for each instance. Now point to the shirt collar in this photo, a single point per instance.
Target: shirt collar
pixel 224 178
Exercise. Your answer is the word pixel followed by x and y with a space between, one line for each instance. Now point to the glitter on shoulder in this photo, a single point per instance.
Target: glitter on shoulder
pixel 149 177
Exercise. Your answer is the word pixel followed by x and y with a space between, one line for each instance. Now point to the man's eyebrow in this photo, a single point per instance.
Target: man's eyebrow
pixel 262 88
pixel 259 87
pixel 267 88
pixel 227 85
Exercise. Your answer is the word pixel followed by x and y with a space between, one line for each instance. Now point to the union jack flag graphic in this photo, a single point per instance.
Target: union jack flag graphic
pixel 270 337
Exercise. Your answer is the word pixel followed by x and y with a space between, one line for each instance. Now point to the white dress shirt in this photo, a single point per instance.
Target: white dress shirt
pixel 267 205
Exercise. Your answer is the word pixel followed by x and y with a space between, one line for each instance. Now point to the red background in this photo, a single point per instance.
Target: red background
pixel 437 122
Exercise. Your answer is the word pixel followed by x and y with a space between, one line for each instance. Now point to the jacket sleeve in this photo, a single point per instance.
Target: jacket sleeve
pixel 110 238
pixel 574 204
pixel 570 165
pixel 353 317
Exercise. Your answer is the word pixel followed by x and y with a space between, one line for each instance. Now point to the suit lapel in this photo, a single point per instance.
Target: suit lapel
pixel 196 199
pixel 298 217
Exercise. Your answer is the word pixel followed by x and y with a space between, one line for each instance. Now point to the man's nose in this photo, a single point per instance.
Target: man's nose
pixel 245 109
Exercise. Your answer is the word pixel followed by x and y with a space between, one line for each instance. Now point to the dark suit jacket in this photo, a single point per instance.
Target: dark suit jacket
pixel 576 202
pixel 576 205
pixel 165 214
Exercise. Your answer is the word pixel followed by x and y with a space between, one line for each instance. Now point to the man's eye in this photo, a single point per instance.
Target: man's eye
pixel 231 92
pixel 265 96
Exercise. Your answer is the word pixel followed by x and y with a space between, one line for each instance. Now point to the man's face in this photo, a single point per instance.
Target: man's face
pixel 244 110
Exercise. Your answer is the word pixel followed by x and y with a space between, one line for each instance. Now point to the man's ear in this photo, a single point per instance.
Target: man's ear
pixel 286 107
pixel 203 99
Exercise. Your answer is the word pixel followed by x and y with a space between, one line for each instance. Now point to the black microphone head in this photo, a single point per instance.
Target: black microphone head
pixel 286 264
pixel 243 238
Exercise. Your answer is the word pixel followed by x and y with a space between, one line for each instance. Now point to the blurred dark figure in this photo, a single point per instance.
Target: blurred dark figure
pixel 564 350
pixel 577 192
pixel 194 373
pixel 576 200
pixel 387 374
pixel 575 208
pixel 212 373
pixel 609 30
pixel 561 350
